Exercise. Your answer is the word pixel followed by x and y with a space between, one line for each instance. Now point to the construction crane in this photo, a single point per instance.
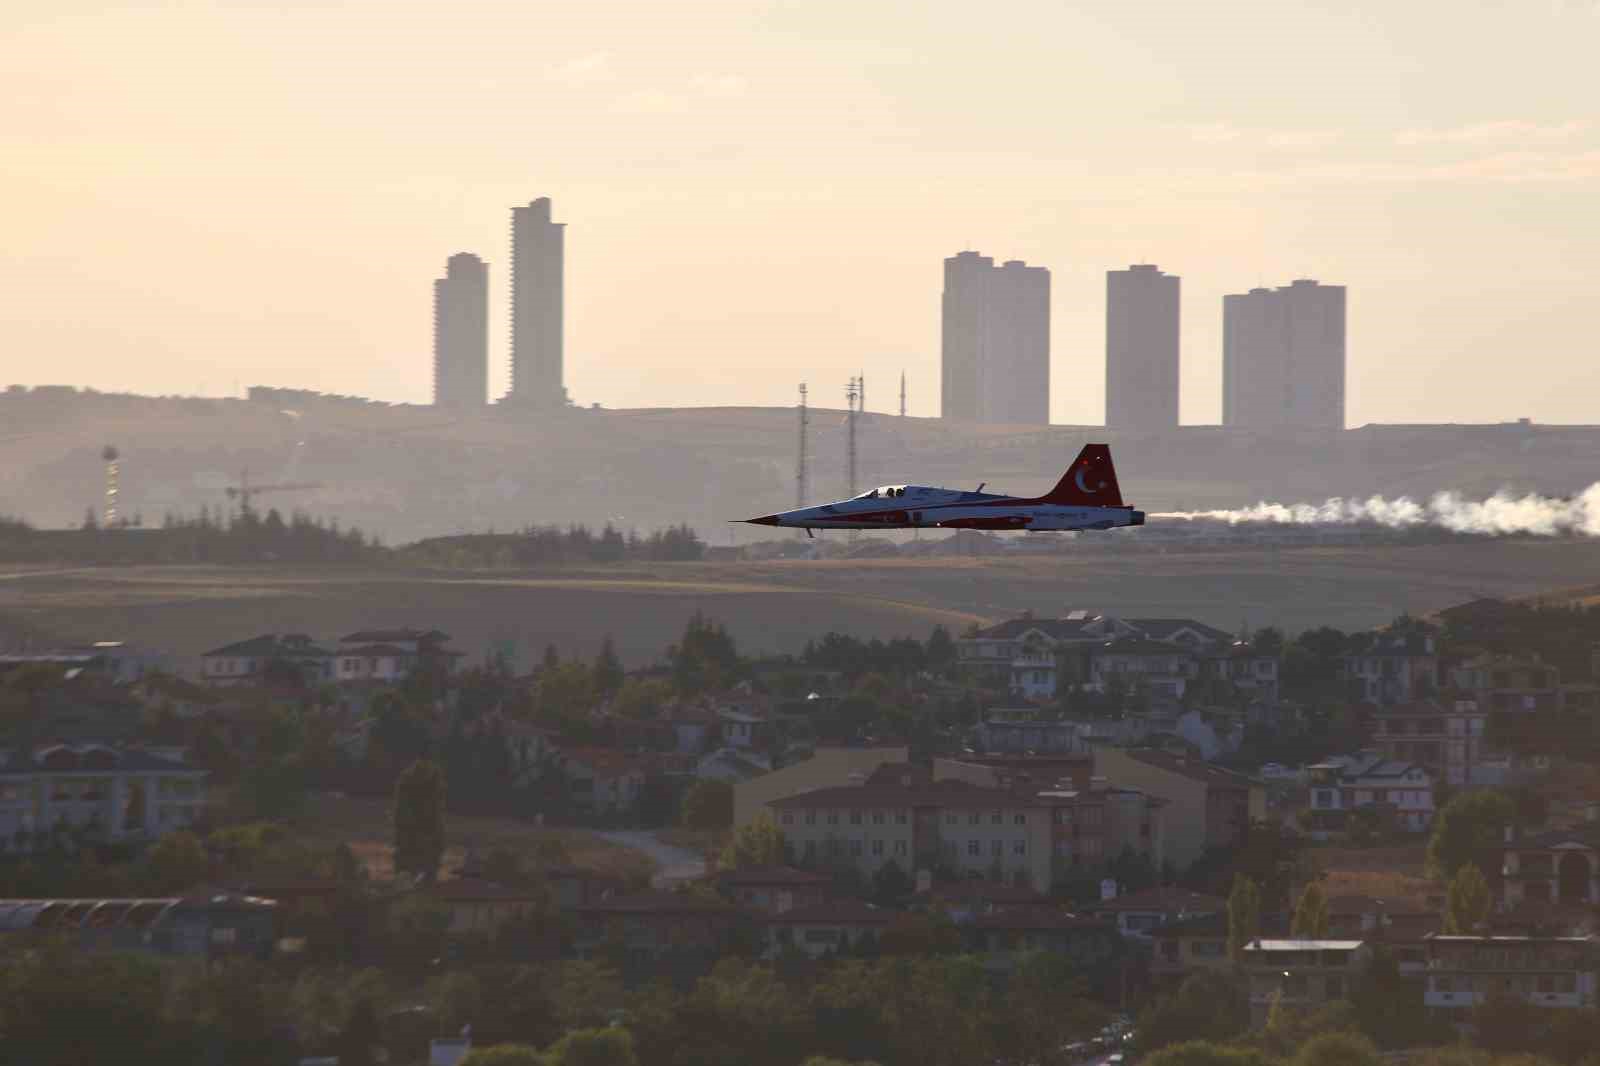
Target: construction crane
pixel 244 492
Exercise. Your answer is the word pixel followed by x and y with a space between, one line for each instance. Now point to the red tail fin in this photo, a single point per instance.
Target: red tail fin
pixel 1091 480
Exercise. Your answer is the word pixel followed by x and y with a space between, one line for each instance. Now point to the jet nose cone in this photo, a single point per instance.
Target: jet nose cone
pixel 765 520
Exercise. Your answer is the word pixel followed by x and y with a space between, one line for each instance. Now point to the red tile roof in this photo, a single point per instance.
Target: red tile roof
pixel 656 901
pixel 772 875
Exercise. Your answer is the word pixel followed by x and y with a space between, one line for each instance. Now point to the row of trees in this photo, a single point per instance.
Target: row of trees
pixel 545 545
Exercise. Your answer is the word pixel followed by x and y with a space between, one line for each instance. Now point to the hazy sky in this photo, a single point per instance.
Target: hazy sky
pixel 201 196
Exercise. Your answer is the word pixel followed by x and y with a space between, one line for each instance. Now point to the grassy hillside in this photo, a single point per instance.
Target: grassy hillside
pixel 777 606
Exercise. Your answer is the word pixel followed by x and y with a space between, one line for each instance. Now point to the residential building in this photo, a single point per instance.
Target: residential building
pixel 121 793
pixel 1462 971
pixel 482 908
pixel 1002 935
pixel 1391 667
pixel 389 655
pixel 774 889
pixel 115 661
pixel 1020 835
pixel 538 297
pixel 1199 943
pixel 1250 672
pixel 1161 672
pixel 1508 683
pixel 1142 349
pixel 1283 358
pixel 1445 740
pixel 575 887
pixel 246 662
pixel 647 925
pixel 1301 973
pixel 602 780
pixel 214 925
pixel 1398 923
pixel 1397 793
pixel 1561 866
pixel 827 768
pixel 1207 807
pixel 995 347
pixel 969 898
pixel 461 334
pixel 823 928
pixel 1139 913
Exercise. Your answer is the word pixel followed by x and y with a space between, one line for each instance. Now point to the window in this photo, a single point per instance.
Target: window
pixel 224 936
pixel 1020 819
pixel 997 818
pixel 788 818
pixel 855 817
pixel 878 818
pixel 899 847
pixel 1207 949
pixel 811 817
pixel 877 847
pixel 974 847
pixel 855 849
pixel 997 847
pixel 975 819
pixel 811 849
pixel 950 818
pixel 900 818
pixel 833 817
pixel 1019 847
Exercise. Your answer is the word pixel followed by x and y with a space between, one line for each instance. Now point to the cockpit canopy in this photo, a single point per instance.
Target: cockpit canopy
pixel 885 492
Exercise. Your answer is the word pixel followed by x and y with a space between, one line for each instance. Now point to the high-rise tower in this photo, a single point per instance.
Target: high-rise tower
pixel 538 256
pixel 461 334
pixel 995 346
pixel 1283 357
pixel 1141 349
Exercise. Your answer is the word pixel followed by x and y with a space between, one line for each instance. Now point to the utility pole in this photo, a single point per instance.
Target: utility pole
pixel 852 393
pixel 801 489
pixel 902 394
pixel 110 455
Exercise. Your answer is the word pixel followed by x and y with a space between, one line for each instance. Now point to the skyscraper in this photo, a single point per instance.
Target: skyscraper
pixel 538 256
pixel 461 334
pixel 1141 349
pixel 1283 357
pixel 995 345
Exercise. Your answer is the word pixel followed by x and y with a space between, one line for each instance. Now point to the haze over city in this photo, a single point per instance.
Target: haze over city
pixel 211 196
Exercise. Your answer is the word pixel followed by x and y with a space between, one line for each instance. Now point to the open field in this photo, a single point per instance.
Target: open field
pixel 776 606
pixel 364 823
pixel 1391 873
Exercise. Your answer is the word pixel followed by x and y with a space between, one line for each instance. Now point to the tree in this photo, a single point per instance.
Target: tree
pixel 1311 913
pixel 891 884
pixel 1206 1053
pixel 1503 1022
pixel 1389 1007
pixel 1337 1049
pixel 708 805
pixel 1244 916
pixel 757 843
pixel 503 1055
pixel 608 673
pixel 360 1036
pixel 1207 1006
pixel 1467 902
pixel 419 820
pixel 1471 824
pixel 592 1047
pixel 177 862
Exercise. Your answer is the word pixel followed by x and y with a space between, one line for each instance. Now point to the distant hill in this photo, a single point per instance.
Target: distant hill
pixel 406 472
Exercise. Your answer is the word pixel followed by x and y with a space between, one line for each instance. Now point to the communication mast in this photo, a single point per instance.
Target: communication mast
pixel 852 394
pixel 902 394
pixel 110 455
pixel 801 489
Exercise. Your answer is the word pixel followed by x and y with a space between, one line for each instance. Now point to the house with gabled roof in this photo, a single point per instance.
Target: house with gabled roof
pixel 1559 866
pixel 245 662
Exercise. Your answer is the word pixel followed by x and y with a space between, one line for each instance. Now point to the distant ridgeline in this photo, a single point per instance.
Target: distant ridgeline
pixel 248 537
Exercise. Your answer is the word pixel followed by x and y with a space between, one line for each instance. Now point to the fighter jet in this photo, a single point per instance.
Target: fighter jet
pixel 1086 498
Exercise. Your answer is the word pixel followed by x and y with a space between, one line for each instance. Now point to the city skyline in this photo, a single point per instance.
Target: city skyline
pixel 1284 357
pixel 538 307
pixel 738 237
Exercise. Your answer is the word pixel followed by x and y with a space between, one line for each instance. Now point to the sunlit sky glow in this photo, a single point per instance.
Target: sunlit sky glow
pixel 202 196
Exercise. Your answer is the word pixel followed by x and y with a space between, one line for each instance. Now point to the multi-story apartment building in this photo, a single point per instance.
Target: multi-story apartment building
pixel 1508 683
pixel 1561 866
pixel 995 341
pixel 1138 913
pixel 1391 667
pixel 1142 349
pixel 827 768
pixel 1399 792
pixel 1283 358
pixel 213 926
pixel 118 793
pixel 1207 807
pixel 1462 971
pixel 461 334
pixel 1021 835
pixel 538 307
pixel 1446 741
pixel 392 654
pixel 1301 973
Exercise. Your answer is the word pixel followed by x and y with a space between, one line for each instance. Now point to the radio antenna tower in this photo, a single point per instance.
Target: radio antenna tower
pixel 801 489
pixel 902 394
pixel 110 455
pixel 852 393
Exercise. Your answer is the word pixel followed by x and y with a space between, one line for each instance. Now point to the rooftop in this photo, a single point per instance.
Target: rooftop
pixel 841 912
pixel 1164 898
pixel 1196 769
pixel 1303 945
pixel 657 901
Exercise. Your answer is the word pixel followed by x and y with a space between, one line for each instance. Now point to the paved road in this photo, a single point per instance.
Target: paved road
pixel 676 864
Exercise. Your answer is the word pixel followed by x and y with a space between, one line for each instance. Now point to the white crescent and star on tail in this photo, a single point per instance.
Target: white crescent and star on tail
pixel 1071 505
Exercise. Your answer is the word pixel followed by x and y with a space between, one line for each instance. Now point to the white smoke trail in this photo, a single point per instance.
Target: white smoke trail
pixel 1499 515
